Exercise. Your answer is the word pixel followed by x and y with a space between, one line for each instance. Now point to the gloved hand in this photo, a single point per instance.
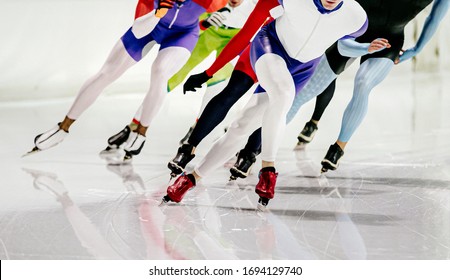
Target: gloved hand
pixel 217 18
pixel 166 4
pixel 195 81
pixel 406 54
pixel 163 7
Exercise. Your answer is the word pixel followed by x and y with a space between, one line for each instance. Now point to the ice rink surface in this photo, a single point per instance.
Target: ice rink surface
pixel 389 199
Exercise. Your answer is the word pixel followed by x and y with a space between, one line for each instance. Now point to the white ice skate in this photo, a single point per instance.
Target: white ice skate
pixel 48 139
pixel 133 146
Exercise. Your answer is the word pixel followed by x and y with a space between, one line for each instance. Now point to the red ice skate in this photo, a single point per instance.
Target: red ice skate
pixel 177 190
pixel 266 185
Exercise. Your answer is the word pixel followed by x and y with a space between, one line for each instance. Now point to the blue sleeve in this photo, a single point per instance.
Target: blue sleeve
pixel 438 11
pixel 351 48
pixel 440 8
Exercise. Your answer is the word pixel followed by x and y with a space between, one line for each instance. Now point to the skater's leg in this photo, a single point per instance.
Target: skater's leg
pixel 319 81
pixel 309 130
pixel 222 149
pixel 248 120
pixel 168 61
pixel 216 110
pixel 371 72
pixel 247 156
pixel 205 45
pixel 275 78
pixel 211 92
pixel 116 64
pixel 322 102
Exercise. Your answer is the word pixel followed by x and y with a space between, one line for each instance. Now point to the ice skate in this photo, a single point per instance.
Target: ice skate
pixel 47 140
pixel 179 162
pixel 266 186
pixel 177 190
pixel 115 142
pixel 133 146
pixel 243 165
pixel 332 158
pixel 186 137
pixel 306 135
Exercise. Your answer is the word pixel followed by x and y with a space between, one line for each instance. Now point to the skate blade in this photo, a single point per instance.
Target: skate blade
pixel 172 176
pixel 300 146
pixel 116 161
pixel 323 170
pixel 232 178
pixel 261 208
pixel 166 199
pixel 33 151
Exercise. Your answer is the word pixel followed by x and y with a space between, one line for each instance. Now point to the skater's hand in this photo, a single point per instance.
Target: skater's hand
pixel 163 7
pixel 166 4
pixel 195 81
pixel 405 55
pixel 217 18
pixel 378 45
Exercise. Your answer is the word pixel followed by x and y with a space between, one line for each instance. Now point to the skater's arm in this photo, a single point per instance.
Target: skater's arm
pixel 438 11
pixel 243 37
pixel 147 17
pixel 352 48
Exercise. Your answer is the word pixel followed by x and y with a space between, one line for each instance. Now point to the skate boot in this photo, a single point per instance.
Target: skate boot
pixel 114 143
pixel 307 135
pixel 133 146
pixel 179 162
pixel 48 139
pixel 186 137
pixel 331 160
pixel 243 165
pixel 266 186
pixel 177 190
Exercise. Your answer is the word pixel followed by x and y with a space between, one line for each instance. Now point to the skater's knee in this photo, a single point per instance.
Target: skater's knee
pixel 239 130
pixel 363 85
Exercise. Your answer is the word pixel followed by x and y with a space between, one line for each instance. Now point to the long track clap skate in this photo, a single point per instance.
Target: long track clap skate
pixel 332 158
pixel 266 186
pixel 179 162
pixel 179 188
pixel 306 135
pixel 112 153
pixel 243 165
pixel 47 140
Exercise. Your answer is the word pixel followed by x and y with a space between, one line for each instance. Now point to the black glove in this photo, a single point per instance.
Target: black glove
pixel 166 4
pixel 195 81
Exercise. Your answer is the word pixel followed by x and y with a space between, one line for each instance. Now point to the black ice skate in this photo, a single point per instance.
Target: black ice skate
pixel 179 162
pixel 332 158
pixel 48 139
pixel 306 135
pixel 114 144
pixel 186 137
pixel 243 165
